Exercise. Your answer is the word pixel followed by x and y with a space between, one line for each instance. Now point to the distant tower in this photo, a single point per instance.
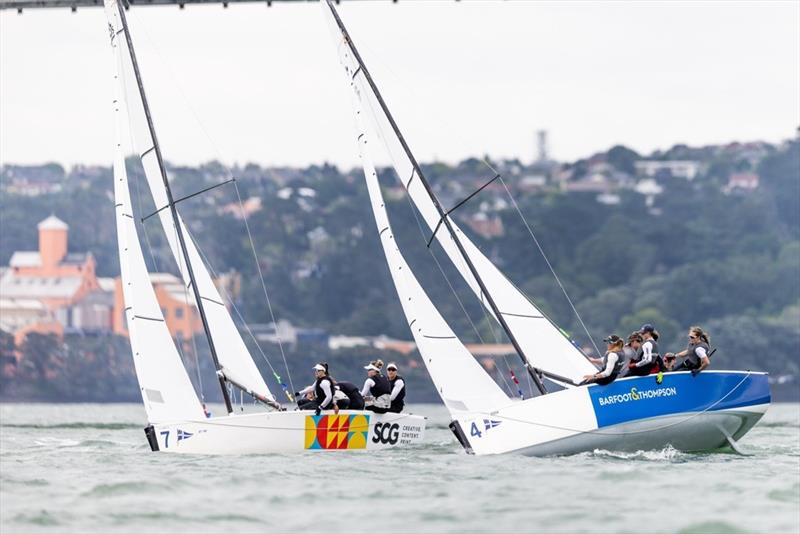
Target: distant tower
pixel 541 138
pixel 52 241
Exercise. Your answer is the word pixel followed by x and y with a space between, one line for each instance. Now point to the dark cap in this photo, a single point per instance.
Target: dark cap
pixel 647 328
pixel 613 338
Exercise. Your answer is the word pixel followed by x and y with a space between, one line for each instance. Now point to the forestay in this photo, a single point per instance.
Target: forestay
pixel 542 342
pixel 235 360
pixel 166 390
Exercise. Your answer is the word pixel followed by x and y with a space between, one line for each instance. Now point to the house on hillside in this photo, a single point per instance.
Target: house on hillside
pixel 742 181
pixel 665 169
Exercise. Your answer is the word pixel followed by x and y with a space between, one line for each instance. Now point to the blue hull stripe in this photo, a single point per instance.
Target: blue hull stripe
pixel 642 398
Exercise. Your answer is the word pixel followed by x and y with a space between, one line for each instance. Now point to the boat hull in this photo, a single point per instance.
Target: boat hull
pixel 689 413
pixel 290 432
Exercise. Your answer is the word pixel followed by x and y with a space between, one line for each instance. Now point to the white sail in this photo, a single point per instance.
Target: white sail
pixel 542 342
pixel 166 390
pixel 236 362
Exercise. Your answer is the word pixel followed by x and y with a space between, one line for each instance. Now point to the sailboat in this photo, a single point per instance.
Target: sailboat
pixel 177 420
pixel 690 413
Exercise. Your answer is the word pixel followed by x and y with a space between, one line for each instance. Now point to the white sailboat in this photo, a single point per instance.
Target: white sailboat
pixel 177 420
pixel 713 409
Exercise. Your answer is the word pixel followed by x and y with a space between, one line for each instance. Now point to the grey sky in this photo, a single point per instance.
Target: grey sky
pixel 462 78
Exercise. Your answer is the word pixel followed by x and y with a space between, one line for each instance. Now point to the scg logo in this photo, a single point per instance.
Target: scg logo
pixel 386 433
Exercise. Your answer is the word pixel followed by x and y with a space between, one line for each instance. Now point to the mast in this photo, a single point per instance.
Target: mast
pixel 443 216
pixel 173 209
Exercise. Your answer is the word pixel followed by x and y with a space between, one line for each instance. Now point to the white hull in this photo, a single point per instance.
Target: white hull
pixel 706 412
pixel 290 432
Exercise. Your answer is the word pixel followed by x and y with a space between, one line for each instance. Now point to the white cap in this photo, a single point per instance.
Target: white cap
pixel 391 367
pixel 371 367
pixel 319 367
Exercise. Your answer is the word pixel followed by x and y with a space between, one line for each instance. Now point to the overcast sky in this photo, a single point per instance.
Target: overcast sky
pixel 257 84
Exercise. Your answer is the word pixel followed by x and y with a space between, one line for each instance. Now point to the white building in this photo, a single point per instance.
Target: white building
pixel 678 169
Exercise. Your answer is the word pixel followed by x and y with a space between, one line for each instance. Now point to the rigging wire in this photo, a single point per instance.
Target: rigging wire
pixel 263 284
pixel 547 261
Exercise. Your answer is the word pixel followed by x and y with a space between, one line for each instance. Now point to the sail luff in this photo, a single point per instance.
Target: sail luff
pixel 443 217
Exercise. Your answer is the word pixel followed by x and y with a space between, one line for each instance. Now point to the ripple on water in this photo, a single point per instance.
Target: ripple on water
pixel 125 488
pixel 711 527
pixel 226 518
pixel 41 518
pixel 34 482
pixel 791 494
pixel 77 426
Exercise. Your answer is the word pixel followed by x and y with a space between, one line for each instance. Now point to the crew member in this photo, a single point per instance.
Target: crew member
pixel 630 349
pixel 352 392
pixel 647 358
pixel 697 353
pixel 376 390
pixel 322 388
pixel 612 362
pixel 398 394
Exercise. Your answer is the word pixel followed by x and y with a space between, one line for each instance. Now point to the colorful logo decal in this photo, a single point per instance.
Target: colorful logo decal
pixel 182 435
pixel 337 431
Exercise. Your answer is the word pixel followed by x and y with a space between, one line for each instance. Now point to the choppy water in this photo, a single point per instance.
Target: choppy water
pixel 87 468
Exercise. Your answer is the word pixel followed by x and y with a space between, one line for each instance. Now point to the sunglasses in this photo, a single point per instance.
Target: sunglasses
pixel 692 337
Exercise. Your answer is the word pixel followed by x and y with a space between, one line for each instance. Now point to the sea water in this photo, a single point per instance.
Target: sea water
pixel 87 468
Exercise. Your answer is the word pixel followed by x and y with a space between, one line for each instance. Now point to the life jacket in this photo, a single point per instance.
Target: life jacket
pixel 617 366
pixel 692 358
pixel 654 351
pixel 381 386
pixel 320 393
pixel 353 393
pixel 397 403
pixel 629 353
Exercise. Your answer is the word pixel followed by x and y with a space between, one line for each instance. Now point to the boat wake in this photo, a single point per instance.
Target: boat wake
pixel 667 454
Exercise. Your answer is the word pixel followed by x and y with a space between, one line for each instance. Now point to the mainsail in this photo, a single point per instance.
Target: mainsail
pixel 236 363
pixel 166 390
pixel 543 344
